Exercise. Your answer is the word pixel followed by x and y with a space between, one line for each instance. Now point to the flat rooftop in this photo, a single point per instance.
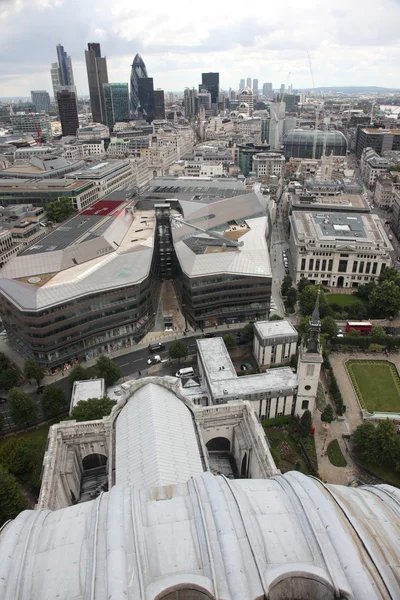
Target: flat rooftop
pixel 275 329
pixel 215 358
pixel 83 390
pixel 344 201
pixel 372 131
pixel 24 185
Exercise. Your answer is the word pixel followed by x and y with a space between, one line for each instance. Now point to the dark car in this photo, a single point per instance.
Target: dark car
pixel 3 400
pixel 40 389
pixel 208 335
pixel 156 346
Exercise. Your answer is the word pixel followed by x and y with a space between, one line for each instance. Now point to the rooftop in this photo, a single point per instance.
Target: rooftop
pixel 372 131
pixel 24 185
pixel 83 390
pixel 215 358
pixel 275 329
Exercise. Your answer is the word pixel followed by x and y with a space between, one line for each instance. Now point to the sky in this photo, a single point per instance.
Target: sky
pixel 348 44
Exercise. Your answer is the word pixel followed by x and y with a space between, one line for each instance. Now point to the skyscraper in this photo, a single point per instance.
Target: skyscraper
pixel 55 78
pixel 64 67
pixel 159 104
pixel 255 86
pixel 190 103
pixel 248 83
pixel 146 98
pixel 210 82
pixel 138 71
pixel 267 90
pixel 68 112
pixel 41 99
pixel 241 85
pixel 96 67
pixel 116 103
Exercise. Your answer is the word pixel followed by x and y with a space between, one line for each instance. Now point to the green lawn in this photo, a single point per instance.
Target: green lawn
pixel 335 454
pixel 387 474
pixel 342 299
pixel 39 434
pixel 377 384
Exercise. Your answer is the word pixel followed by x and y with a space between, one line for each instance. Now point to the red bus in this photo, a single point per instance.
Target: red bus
pixel 364 327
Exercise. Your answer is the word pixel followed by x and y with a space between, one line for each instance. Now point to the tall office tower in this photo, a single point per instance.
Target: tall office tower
pixel 290 89
pixel 171 97
pixel 267 90
pixel 190 103
pixel 282 90
pixel 68 112
pixel 241 85
pixel 64 67
pixel 55 78
pixel 146 98
pixel 116 103
pixel 255 86
pixel 41 99
pixel 159 105
pixel 248 83
pixel 138 71
pixel 96 66
pixel 210 82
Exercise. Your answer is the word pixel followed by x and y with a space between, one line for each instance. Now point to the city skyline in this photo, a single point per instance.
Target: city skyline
pixel 177 49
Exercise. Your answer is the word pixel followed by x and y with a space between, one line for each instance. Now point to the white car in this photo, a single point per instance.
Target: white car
pixel 153 360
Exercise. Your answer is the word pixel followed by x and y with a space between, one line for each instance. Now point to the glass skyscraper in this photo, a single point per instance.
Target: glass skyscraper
pixel 116 96
pixel 138 72
pixel 96 66
pixel 65 67
pixel 210 82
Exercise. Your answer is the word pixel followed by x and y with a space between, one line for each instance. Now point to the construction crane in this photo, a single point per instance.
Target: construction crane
pixel 37 129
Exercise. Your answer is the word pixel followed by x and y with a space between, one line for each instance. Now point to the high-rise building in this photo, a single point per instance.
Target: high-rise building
pixel 241 85
pixel 138 71
pixel 282 88
pixel 41 100
pixel 68 112
pixel 116 103
pixel 210 82
pixel 64 67
pixel 190 103
pixel 248 82
pixel 267 90
pixel 96 66
pixel 159 104
pixel 55 78
pixel 146 98
pixel 255 86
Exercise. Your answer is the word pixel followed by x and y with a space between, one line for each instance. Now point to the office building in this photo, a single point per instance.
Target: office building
pixel 342 250
pixel 267 90
pixel 282 90
pixel 384 191
pixel 248 82
pixel 190 103
pixel 380 140
pixel 68 112
pixel 255 86
pixel 41 100
pixel 210 82
pixel 159 105
pixel 96 66
pixel 138 71
pixel 395 216
pixel 268 163
pixel 35 124
pixel 275 342
pixel 39 193
pixel 372 166
pixel 55 78
pixel 146 98
pixel 66 75
pixel 299 143
pixel 246 102
pixel 116 103
pixel 241 85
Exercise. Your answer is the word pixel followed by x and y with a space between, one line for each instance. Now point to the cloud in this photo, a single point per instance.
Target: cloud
pixel 348 45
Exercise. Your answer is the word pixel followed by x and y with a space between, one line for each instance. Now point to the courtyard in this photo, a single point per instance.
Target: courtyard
pixel 377 384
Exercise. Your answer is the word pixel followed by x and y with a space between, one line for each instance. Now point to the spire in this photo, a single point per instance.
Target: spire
pixel 315 316
pixel 313 345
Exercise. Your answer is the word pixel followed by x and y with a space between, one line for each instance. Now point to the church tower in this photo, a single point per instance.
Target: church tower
pixel 309 365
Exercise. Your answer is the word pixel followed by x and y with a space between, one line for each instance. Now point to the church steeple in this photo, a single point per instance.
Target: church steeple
pixel 314 329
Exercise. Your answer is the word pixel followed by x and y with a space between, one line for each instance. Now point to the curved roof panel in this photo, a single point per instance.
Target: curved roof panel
pixel 156 441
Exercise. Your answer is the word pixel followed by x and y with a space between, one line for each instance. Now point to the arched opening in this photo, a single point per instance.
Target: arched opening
pixel 92 461
pixel 186 594
pixel 298 588
pixel 340 281
pixel 243 468
pixel 155 173
pixel 219 444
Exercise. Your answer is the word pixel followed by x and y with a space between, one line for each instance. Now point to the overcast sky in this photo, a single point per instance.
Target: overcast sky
pixel 349 43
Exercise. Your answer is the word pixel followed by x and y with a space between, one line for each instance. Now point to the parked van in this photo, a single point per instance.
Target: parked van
pixel 186 372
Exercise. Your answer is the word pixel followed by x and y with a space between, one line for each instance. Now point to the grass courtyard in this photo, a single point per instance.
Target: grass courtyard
pixel 342 300
pixel 376 383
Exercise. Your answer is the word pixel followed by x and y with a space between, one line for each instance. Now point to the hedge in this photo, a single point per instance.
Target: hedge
pixel 334 390
pixel 278 422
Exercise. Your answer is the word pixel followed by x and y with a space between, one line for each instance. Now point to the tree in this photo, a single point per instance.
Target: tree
pixel 60 209
pixel 229 341
pixel 308 298
pixel 22 409
pixel 1 423
pixel 365 438
pixel 329 327
pixel 178 349
pixel 357 310
pixel 108 369
pixel 94 408
pixel 303 283
pixel 303 327
pixel 386 440
pixel 327 414
pixel 4 362
pixel 364 291
pixel 276 318
pixel 248 333
pixel 53 401
pixel 286 285
pixel 389 274
pixel 378 332
pixel 305 423
pixel 32 370
pixel 19 455
pixel 293 361
pixel 8 379
pixel 291 297
pixel 78 373
pixel 12 499
pixel 385 298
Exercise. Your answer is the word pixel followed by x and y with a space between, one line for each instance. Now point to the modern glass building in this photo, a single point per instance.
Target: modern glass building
pixel 96 66
pixel 210 82
pixel 116 97
pixel 41 100
pixel 68 111
pixel 146 98
pixel 299 143
pixel 138 71
pixel 65 67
